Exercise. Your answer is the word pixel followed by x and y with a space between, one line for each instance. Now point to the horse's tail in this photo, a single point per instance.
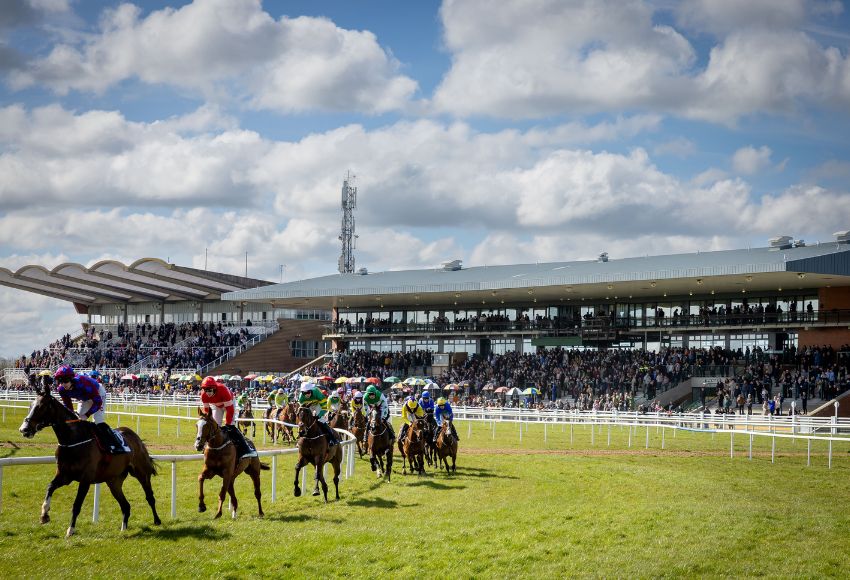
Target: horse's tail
pixel 264 466
pixel 145 454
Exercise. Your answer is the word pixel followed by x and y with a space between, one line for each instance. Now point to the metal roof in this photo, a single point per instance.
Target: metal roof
pixel 109 282
pixel 725 271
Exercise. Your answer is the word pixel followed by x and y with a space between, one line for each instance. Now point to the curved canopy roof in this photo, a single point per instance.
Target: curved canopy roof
pixel 109 281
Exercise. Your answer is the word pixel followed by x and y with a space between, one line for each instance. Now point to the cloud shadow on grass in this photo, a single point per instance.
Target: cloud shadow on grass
pixel 376 502
pixel 180 532
pixel 479 472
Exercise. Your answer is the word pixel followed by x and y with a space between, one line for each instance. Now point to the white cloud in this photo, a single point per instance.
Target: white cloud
pixel 549 57
pixel 230 46
pixel 678 147
pixel 749 160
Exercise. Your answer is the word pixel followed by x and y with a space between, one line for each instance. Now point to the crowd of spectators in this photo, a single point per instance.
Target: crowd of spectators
pixel 166 346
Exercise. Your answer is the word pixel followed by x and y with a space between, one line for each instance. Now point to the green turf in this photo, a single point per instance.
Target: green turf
pixel 514 508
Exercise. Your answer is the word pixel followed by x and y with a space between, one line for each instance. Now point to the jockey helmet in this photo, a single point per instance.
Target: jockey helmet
pixel 209 383
pixel 94 374
pixel 373 390
pixel 426 395
pixel 334 398
pixel 372 398
pixel 358 395
pixel 411 403
pixel 341 391
pixel 64 373
pixel 306 387
pixel 441 401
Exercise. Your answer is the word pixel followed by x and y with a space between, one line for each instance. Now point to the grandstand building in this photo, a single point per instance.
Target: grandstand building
pixel 786 294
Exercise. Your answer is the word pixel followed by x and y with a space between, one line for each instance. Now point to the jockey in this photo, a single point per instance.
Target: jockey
pixel 410 411
pixel 444 411
pixel 243 401
pixel 217 396
pixel 341 392
pixel 281 398
pixel 426 402
pixel 312 398
pixel 334 403
pixel 270 398
pixel 357 404
pixel 375 399
pixel 91 395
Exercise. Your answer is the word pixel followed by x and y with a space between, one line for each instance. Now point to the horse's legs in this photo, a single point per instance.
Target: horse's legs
pixel 336 465
pixel 227 477
pixel 298 465
pixel 454 459
pixel 202 507
pixel 389 462
pixel 320 477
pixel 233 502
pixel 145 480
pixel 115 486
pixel 82 491
pixel 254 472
pixel 57 482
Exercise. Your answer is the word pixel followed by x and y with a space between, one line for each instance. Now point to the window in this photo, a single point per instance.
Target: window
pixel 305 348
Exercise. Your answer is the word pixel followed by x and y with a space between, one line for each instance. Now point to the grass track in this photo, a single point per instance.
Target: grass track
pixel 514 508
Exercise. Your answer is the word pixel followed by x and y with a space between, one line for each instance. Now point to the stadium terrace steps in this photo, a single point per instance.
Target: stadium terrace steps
pixel 274 354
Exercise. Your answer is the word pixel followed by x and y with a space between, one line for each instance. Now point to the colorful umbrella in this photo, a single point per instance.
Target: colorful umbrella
pixel 225 377
pixel 374 380
pixel 250 377
pixel 324 378
pixel 235 378
pixel 392 380
pixel 129 377
pixel 501 390
pixel 451 387
pixel 531 391
pixel 356 380
pixel 340 380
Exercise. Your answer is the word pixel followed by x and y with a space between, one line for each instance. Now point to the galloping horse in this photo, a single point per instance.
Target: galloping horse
pixel 313 448
pixel 412 447
pixel 380 443
pixel 430 431
pixel 446 446
pixel 357 426
pixel 220 459
pixel 288 415
pixel 339 420
pixel 247 412
pixel 271 428
pixel 79 458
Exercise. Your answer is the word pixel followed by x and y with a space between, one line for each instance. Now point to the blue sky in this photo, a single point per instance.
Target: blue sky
pixel 493 132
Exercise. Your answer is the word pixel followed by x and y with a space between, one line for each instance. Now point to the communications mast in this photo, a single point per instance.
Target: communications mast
pixel 346 235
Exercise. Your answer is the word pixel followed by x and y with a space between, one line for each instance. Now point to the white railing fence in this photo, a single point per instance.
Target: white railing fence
pixel 348 446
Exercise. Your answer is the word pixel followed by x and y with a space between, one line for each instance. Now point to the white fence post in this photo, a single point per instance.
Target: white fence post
pixel 174 487
pixel 274 478
pixel 96 507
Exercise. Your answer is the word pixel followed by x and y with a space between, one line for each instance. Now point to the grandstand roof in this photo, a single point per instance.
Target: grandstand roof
pixel 109 281
pixel 756 269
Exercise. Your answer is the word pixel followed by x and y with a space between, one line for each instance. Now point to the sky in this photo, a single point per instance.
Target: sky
pixel 488 131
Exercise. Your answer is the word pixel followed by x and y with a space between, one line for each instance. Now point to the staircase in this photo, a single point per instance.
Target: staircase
pixel 274 354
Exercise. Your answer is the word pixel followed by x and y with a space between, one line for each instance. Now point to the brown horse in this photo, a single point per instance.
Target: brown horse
pixel 380 443
pixel 289 416
pixel 79 458
pixel 430 431
pixel 313 449
pixel 220 459
pixel 271 428
pixel 339 420
pixel 412 447
pixel 446 446
pixel 246 413
pixel 357 426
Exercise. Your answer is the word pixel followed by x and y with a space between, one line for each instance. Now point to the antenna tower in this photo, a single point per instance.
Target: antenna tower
pixel 347 235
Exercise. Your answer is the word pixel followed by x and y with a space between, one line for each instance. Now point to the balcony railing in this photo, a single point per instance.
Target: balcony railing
pixel 601 325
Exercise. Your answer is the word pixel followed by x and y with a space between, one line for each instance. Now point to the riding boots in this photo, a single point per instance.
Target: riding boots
pixel 244 448
pixel 109 439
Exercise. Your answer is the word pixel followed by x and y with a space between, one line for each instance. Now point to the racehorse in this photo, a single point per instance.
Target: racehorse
pixel 430 431
pixel 357 426
pixel 446 446
pixel 412 447
pixel 271 428
pixel 289 416
pixel 79 457
pixel 220 459
pixel 247 412
pixel 380 443
pixel 339 420
pixel 313 449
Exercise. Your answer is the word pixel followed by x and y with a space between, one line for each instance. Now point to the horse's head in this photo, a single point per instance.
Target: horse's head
pixel 45 410
pixel 207 429
pixel 305 418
